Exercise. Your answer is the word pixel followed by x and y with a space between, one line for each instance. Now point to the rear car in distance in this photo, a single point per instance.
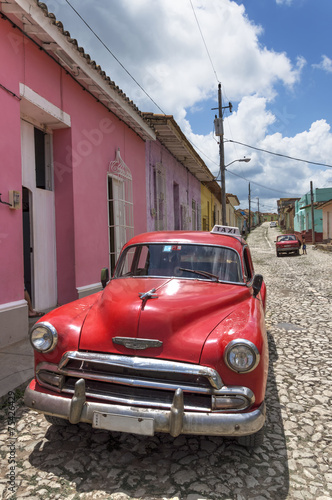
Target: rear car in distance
pixel 286 244
pixel 175 343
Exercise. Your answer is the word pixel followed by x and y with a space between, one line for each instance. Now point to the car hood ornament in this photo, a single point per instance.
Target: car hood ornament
pixel 146 296
pixel 132 343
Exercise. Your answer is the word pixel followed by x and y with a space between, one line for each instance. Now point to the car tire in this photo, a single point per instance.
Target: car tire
pixel 253 440
pixel 297 252
pixel 278 254
pixel 56 420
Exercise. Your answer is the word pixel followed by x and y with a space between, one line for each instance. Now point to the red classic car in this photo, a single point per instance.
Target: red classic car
pixel 174 343
pixel 287 243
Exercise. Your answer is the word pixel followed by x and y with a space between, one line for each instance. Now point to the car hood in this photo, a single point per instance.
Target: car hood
pixel 179 313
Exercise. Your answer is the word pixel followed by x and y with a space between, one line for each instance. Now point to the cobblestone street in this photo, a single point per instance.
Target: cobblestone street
pixel 294 462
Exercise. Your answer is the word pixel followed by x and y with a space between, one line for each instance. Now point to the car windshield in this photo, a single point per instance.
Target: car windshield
pixel 287 237
pixel 181 261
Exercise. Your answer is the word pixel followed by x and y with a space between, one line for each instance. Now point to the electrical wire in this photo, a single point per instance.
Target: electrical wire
pixel 279 154
pixel 207 51
pixel 117 60
pixel 215 73
pixel 260 185
pixel 237 175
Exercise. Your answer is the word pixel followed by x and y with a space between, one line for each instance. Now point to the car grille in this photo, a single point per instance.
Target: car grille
pixel 147 382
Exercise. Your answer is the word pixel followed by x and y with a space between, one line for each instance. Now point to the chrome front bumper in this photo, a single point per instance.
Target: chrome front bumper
pixel 146 421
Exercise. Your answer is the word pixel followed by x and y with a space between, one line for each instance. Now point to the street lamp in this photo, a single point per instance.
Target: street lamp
pixel 246 160
pixel 223 186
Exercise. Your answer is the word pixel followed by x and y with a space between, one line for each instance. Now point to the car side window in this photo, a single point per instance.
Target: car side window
pixel 247 262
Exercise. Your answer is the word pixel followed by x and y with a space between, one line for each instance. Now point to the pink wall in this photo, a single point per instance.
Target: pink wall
pixel 82 155
pixel 96 135
pixel 11 234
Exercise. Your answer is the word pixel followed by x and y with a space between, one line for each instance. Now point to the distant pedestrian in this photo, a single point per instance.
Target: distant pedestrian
pixel 304 246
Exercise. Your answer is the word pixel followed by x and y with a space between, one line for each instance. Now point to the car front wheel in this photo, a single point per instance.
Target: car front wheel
pixel 56 420
pixel 253 440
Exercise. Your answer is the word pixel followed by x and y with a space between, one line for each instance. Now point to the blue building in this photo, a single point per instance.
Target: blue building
pixel 303 214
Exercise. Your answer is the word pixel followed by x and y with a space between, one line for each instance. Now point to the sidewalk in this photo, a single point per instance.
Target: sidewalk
pixel 16 364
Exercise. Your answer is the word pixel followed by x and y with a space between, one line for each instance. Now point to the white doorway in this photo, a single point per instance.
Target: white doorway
pixel 37 175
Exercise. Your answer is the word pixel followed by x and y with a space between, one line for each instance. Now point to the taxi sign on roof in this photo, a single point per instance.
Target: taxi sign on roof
pixel 233 231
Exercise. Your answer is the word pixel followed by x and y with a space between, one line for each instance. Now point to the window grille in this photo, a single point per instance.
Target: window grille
pixel 120 207
pixel 184 217
pixel 199 217
pixel 160 200
pixel 194 215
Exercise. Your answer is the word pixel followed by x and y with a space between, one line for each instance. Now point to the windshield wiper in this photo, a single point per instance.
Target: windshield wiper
pixel 202 273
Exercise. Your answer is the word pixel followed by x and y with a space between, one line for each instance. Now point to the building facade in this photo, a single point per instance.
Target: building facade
pixel 73 167
pixel 174 172
pixel 308 214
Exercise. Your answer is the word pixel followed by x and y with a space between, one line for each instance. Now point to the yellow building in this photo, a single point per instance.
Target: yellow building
pixel 210 205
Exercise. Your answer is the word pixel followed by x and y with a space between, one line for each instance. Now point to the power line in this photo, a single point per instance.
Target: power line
pixel 237 175
pixel 279 154
pixel 207 51
pixel 117 60
pixel 260 185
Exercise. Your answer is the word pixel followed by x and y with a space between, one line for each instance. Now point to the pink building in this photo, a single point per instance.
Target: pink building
pixel 73 166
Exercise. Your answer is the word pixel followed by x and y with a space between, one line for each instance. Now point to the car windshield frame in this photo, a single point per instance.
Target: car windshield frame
pixel 194 261
pixel 286 237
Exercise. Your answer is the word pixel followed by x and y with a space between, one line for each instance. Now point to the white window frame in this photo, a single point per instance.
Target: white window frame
pixel 121 229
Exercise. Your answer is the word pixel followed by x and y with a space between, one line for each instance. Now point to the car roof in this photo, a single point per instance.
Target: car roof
pixel 189 237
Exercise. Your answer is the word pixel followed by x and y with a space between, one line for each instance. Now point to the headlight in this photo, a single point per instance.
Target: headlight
pixel 241 356
pixel 43 337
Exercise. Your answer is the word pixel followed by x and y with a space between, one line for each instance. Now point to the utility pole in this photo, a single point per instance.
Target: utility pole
pixel 219 131
pixel 249 209
pixel 258 210
pixel 312 214
pixel 222 160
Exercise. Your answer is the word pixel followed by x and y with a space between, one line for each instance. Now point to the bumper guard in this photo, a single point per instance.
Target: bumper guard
pixel 133 419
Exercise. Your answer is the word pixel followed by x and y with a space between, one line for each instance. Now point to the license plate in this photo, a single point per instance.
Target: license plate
pixel 123 423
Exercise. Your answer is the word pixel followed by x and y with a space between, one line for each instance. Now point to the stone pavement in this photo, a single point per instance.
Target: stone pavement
pixel 16 363
pixel 294 461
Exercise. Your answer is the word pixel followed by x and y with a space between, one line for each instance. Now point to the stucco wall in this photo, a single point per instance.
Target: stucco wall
pixel 11 233
pixel 189 186
pixel 82 154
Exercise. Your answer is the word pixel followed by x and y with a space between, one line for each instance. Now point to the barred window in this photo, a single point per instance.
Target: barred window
pixel 194 215
pixel 160 205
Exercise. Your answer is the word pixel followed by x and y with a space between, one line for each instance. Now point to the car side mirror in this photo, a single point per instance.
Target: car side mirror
pixel 257 284
pixel 104 276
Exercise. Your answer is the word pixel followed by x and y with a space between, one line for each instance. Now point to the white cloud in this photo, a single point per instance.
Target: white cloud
pixel 325 64
pixel 284 2
pixel 160 44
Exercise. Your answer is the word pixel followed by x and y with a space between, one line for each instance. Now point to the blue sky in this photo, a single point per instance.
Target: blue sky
pixel 273 59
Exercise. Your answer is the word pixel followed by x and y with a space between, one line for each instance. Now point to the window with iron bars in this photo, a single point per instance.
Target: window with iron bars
pixel 160 200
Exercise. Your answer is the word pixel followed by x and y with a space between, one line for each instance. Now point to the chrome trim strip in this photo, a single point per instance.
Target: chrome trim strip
pixel 176 420
pixel 145 364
